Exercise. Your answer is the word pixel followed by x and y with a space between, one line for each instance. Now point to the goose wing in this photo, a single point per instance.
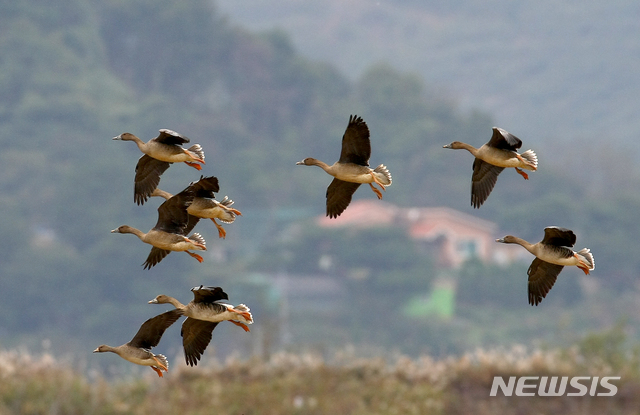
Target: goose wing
pixel 156 255
pixel 356 146
pixel 151 331
pixel 205 187
pixel 172 214
pixel 542 276
pixel 339 194
pixel 554 235
pixel 504 140
pixel 204 294
pixel 196 336
pixel 171 137
pixel 148 172
pixel 483 180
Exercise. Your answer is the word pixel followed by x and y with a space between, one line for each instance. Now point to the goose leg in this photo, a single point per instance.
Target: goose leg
pixel 232 210
pixel 196 256
pixel 158 371
pixel 196 243
pixel 237 323
pixel 376 191
pixel 194 156
pixel 160 364
pixel 376 181
pixel 581 264
pixel 194 165
pixel 221 232
pixel 522 173
pixel 519 157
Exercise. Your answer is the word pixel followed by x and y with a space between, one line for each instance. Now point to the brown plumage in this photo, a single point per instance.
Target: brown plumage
pixel 204 206
pixel 553 253
pixel 493 157
pixel 159 153
pixel 138 350
pixel 352 169
pixel 203 315
pixel 170 231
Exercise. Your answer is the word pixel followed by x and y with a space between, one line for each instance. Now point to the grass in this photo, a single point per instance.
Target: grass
pixel 345 384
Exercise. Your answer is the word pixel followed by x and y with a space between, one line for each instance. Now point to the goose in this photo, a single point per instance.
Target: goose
pixel 552 254
pixel 159 153
pixel 203 314
pixel 170 231
pixel 491 158
pixel 352 168
pixel 204 205
pixel 138 350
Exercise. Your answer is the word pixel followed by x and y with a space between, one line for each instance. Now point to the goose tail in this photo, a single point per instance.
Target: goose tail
pixel 531 158
pixel 198 151
pixel 382 174
pixel 585 255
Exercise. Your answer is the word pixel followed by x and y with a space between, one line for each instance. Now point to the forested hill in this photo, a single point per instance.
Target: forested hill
pixel 75 73
pixel 557 70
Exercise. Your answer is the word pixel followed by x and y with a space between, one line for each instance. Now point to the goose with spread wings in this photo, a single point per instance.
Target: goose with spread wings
pixel 352 169
pixel 203 314
pixel 552 254
pixel 493 157
pixel 204 205
pixel 159 153
pixel 170 231
pixel 138 350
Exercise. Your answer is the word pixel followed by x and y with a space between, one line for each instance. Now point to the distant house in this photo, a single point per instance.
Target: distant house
pixel 451 235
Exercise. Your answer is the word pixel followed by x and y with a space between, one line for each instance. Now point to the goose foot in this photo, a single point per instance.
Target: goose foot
pixel 376 191
pixel 522 173
pixel 584 267
pixel 533 167
pixel 232 210
pixel 158 371
pixel 196 256
pixel 221 232
pixel 237 323
pixel 194 165
pixel 376 181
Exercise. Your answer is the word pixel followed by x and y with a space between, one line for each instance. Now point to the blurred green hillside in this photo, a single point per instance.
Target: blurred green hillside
pixel 77 73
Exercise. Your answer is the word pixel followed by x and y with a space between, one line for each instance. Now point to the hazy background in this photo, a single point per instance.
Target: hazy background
pixel 261 85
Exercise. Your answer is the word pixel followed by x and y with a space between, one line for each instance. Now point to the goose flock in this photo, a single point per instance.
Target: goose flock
pixel 179 214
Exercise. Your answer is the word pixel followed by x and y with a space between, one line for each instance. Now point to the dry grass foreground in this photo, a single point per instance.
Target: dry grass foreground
pixel 307 384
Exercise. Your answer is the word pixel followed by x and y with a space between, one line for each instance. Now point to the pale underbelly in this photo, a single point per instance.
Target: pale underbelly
pixel 356 178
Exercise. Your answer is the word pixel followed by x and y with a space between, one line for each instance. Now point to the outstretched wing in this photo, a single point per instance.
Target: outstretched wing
pixel 205 187
pixel 156 255
pixel 339 194
pixel 483 180
pixel 196 336
pixel 504 140
pixel 148 172
pixel 151 331
pixel 171 137
pixel 542 276
pixel 554 235
pixel 356 146
pixel 204 294
pixel 172 214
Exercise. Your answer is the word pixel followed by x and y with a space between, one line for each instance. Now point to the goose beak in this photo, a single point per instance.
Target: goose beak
pixel 500 240
pixel 300 163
